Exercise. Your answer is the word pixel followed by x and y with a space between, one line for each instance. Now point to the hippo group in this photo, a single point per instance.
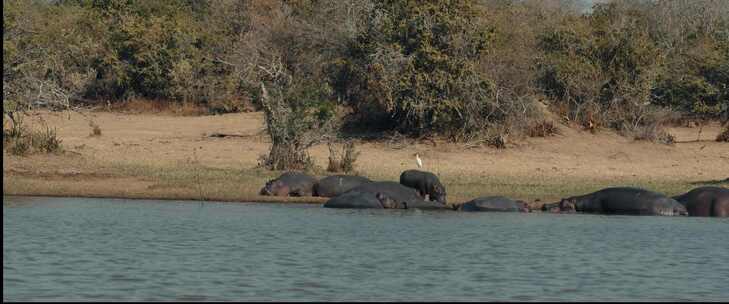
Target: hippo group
pixel 417 190
pixel 423 190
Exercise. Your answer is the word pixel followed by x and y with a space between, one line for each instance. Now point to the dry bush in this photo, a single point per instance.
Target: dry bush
pixel 138 106
pixel 542 128
pixel 497 140
pixel 95 129
pixel 293 126
pixel 19 146
pixel 344 159
pixel 653 133
pixel 46 141
pixel 724 135
pixel 22 141
pixel 648 123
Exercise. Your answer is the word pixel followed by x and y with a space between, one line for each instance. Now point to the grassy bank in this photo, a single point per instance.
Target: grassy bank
pixel 193 182
pixel 173 157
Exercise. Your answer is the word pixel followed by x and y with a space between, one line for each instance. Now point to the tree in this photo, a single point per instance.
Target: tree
pixel 414 69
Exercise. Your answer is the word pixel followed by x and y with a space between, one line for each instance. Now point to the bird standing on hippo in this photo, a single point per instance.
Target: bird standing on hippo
pixel 382 195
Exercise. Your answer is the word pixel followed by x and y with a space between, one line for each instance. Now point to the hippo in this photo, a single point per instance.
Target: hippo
pixel 334 185
pixel 290 184
pixel 357 200
pixel 706 201
pixel 389 195
pixel 623 200
pixel 426 183
pixel 559 207
pixel 494 203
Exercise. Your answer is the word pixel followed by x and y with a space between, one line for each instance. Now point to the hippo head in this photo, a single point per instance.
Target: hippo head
pixel 439 194
pixel 275 188
pixel 679 209
pixel 523 206
pixel 386 201
pixel 551 208
pixel 568 205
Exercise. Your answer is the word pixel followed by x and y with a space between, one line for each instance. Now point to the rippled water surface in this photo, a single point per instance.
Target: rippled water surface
pixel 108 249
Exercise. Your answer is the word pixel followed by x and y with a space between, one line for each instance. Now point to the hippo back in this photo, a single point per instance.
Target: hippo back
pixel 629 200
pixel 334 185
pixel 355 200
pixel 299 184
pixel 492 203
pixel 425 182
pixel 403 196
pixel 393 190
pixel 706 201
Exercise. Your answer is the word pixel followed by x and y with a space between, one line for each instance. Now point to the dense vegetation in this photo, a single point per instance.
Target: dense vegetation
pixel 460 69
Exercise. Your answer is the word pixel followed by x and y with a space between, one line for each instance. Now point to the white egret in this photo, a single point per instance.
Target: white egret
pixel 418 160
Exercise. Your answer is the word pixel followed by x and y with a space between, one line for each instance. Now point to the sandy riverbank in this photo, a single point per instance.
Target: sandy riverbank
pixel 173 157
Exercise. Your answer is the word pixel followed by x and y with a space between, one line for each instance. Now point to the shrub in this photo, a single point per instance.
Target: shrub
pixel 603 66
pixel 46 141
pixel 19 145
pixel 414 69
pixel 724 135
pixel 296 117
pixel 542 128
pixel 95 129
pixel 344 159
pixel 20 140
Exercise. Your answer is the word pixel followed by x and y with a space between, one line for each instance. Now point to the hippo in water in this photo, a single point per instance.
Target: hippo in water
pixel 706 201
pixel 334 185
pixel 290 184
pixel 385 195
pixel 622 200
pixel 494 203
pixel 426 183
pixel 355 200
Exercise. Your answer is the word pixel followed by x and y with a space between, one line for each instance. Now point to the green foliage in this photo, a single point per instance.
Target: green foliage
pixel 697 81
pixel 603 67
pixel 451 67
pixel 414 67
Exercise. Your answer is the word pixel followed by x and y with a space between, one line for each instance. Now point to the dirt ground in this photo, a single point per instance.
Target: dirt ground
pixel 174 157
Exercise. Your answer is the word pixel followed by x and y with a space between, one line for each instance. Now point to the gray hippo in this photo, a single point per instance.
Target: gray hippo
pixel 334 185
pixel 356 200
pixel 385 195
pixel 622 200
pixel 426 183
pixel 706 201
pixel 494 203
pixel 290 184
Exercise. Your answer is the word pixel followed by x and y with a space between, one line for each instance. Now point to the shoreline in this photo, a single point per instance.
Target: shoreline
pixel 145 156
pixel 54 186
pixel 302 200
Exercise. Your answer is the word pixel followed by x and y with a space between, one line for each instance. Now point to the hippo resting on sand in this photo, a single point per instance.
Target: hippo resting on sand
pixel 706 201
pixel 494 203
pixel 381 195
pixel 334 185
pixel 426 183
pixel 290 184
pixel 620 200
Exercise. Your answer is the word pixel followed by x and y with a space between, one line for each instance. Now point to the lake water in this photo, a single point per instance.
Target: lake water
pixel 113 249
